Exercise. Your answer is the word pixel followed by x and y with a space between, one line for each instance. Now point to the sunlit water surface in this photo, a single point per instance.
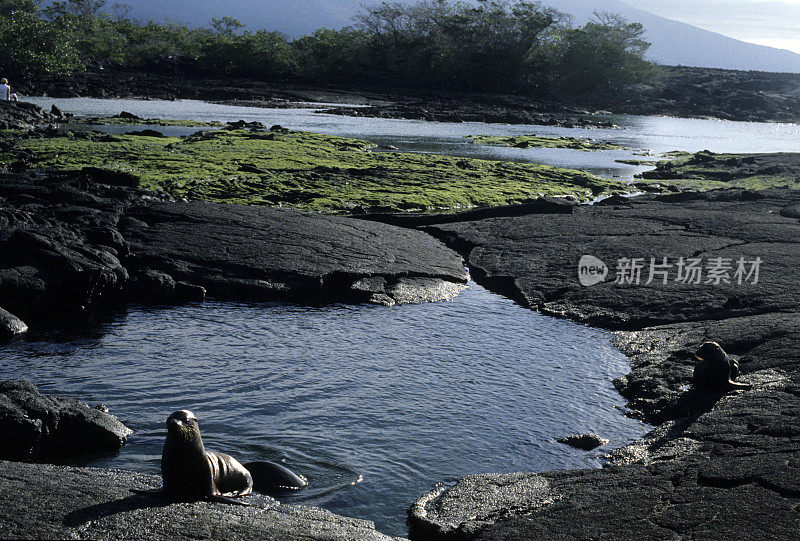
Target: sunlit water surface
pixel 648 134
pixel 372 404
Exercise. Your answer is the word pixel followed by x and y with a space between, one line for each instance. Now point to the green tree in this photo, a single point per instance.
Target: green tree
pixel 334 56
pixel 32 46
pixel 603 56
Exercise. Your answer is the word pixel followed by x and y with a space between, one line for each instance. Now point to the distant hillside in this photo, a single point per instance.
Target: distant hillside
pixel 673 42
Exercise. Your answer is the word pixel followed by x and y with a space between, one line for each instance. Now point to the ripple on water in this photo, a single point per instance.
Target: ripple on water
pixel 372 404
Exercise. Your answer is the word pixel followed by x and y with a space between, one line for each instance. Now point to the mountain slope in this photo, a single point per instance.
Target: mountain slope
pixel 673 42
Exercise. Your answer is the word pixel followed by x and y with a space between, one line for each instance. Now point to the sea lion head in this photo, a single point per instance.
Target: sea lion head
pixel 714 355
pixel 183 425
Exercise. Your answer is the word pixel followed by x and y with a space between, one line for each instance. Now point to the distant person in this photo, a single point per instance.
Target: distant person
pixel 5 91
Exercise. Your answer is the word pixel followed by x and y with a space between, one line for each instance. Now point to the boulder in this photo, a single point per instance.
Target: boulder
pixel 34 427
pixel 11 325
pixel 587 442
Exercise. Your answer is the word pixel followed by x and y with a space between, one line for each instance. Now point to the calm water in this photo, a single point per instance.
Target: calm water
pixel 372 404
pixel 645 133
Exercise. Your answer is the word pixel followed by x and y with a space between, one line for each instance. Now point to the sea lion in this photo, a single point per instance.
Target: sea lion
pixel 715 371
pixel 190 473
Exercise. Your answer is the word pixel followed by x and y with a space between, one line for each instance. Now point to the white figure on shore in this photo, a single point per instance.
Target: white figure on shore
pixel 5 91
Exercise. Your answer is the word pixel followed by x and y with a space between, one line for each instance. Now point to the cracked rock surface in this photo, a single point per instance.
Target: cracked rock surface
pixel 715 466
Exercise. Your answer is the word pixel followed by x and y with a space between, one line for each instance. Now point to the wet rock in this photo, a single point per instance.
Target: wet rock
pixel 459 512
pixel 145 133
pixel 11 325
pixel 36 427
pixel 128 116
pixel 61 502
pixel 186 292
pixel 587 442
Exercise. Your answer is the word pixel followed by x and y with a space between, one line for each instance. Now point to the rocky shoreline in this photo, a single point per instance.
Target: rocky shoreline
pixel 714 466
pixel 677 91
pixel 708 454
pixel 77 241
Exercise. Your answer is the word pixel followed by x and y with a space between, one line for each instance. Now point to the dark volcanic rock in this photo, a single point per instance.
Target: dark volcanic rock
pixel 11 325
pixel 587 442
pixel 72 241
pixel 712 452
pixel 264 253
pixel 535 257
pixel 60 502
pixel 20 115
pixel 36 427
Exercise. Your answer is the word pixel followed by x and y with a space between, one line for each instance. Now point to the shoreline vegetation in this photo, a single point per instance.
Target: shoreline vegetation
pixel 538 141
pixel 250 164
pixel 516 46
pixel 418 61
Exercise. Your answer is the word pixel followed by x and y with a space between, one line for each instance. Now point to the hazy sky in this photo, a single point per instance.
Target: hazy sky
pixel 767 22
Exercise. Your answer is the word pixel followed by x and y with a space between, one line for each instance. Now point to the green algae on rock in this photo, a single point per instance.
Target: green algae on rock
pixel 536 141
pixel 303 170
pixel 706 170
pixel 137 121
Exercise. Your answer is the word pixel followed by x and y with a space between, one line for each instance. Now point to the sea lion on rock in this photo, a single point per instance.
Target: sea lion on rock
pixel 190 473
pixel 715 371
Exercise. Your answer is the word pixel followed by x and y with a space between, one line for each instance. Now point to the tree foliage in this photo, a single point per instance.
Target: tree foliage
pixel 30 46
pixel 487 45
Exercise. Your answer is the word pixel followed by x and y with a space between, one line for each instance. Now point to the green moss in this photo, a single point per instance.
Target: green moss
pixel 535 141
pixel 115 120
pixel 307 171
pixel 706 170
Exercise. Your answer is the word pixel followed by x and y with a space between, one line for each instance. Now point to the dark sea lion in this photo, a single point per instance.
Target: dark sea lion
pixel 191 473
pixel 715 371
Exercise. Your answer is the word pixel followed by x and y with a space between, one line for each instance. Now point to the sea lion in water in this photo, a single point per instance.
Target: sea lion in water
pixel 190 472
pixel 715 371
pixel 271 478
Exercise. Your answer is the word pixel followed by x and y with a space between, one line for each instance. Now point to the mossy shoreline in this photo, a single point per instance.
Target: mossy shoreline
pixel 538 141
pixel 258 166
pixel 707 170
